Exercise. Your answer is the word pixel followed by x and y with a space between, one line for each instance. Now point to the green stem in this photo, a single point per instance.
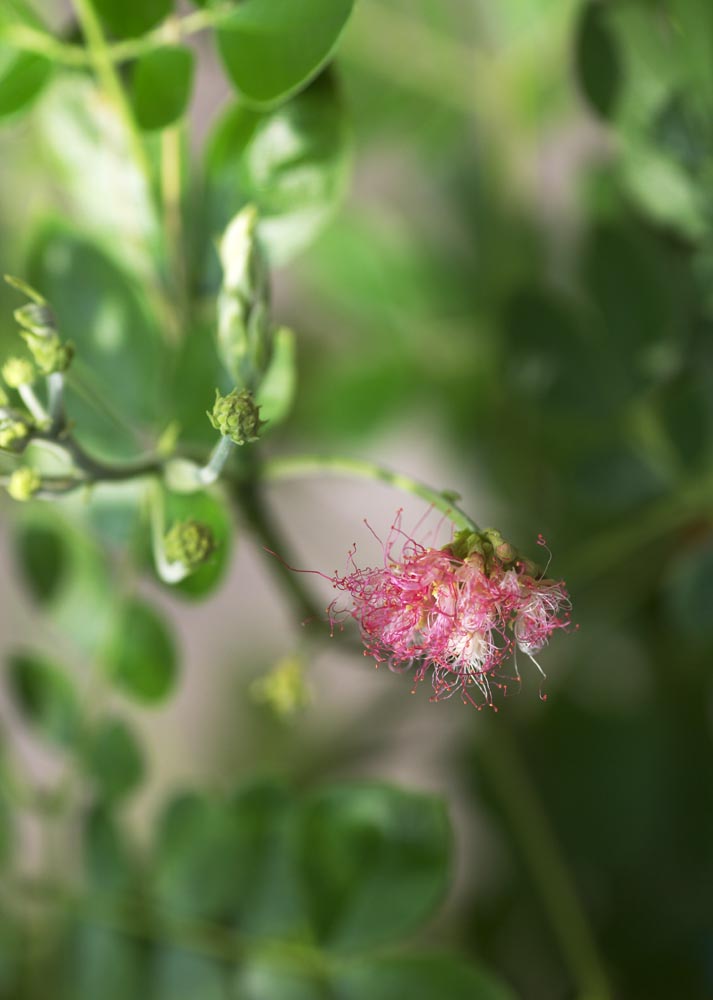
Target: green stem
pixel 106 72
pixel 311 465
pixel 530 828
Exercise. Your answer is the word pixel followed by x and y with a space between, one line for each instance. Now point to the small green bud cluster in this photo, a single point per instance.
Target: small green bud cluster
pixel 492 548
pixel 17 372
pixel 24 483
pixel 39 330
pixel 284 690
pixel 15 432
pixel 237 416
pixel 190 543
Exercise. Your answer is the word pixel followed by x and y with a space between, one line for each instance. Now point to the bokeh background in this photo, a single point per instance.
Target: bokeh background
pixel 513 302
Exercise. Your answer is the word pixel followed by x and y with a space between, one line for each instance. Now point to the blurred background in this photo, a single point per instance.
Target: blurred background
pixel 512 301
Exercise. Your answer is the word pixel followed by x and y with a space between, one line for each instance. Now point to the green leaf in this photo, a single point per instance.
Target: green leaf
pixel 118 363
pixel 128 18
pixel 225 859
pixel 42 555
pixel 277 389
pixel 689 593
pixel 114 759
pixel 180 975
pixel 267 977
pixel 161 86
pixel 45 697
pixel 598 64
pixel 141 655
pixel 110 868
pixel 99 180
pixel 291 163
pixel 22 77
pixel 376 862
pixel 418 977
pixel 100 962
pixel 211 510
pixel 271 48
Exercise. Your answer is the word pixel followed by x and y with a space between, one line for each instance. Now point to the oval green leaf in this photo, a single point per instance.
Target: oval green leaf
pixel 128 18
pixel 114 760
pixel 598 63
pixel 22 77
pixel 42 556
pixel 45 697
pixel 161 86
pixel 211 510
pixel 141 655
pixel 376 862
pixel 271 48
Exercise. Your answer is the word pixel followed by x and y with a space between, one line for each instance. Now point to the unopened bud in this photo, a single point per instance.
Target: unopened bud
pixel 14 433
pixel 49 352
pixel 36 318
pixel 17 372
pixel 284 689
pixel 237 416
pixel 24 483
pixel 190 543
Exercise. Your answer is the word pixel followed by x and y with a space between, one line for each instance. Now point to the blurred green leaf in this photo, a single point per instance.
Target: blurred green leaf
pixel 598 65
pixel 23 75
pixel 290 163
pixel 211 510
pixel 277 389
pixel 44 695
pixel 376 862
pixel 118 342
pixel 101 962
pixel 180 975
pixel 100 183
pixel 418 977
pixel 42 556
pixel 114 759
pixel 266 977
pixel 128 18
pixel 109 865
pixel 161 86
pixel 689 592
pixel 141 654
pixel 271 48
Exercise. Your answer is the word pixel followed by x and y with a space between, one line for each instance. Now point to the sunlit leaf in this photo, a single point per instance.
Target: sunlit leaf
pixel 277 389
pixel 290 163
pixel 127 18
pixel 23 75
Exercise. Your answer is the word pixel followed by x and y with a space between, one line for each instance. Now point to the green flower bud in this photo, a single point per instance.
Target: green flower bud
pixel 50 353
pixel 237 416
pixel 14 433
pixel 190 543
pixel 284 689
pixel 17 372
pixel 36 318
pixel 24 483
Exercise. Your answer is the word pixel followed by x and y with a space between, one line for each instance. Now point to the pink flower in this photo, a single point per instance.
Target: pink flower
pixel 460 613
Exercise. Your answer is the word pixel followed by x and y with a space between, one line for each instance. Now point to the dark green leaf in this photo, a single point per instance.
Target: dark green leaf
pixel 690 592
pixel 114 760
pixel 598 64
pixel 128 18
pixel 45 697
pixel 41 552
pixel 418 977
pixel 161 86
pixel 110 868
pixel 22 76
pixel 141 655
pixel 376 862
pixel 290 163
pixel 180 975
pixel 271 48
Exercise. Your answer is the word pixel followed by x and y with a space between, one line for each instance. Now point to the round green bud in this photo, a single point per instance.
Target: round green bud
pixel 24 483
pixel 190 543
pixel 14 433
pixel 49 352
pixel 284 690
pixel 17 372
pixel 237 416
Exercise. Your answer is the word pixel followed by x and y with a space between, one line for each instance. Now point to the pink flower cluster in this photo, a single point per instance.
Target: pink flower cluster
pixel 461 612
